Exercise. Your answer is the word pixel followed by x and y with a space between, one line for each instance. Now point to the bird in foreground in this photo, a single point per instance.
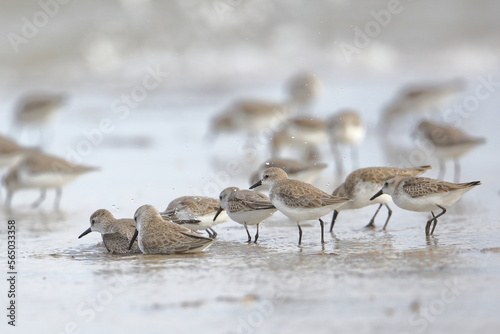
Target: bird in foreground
pixel 116 233
pixel 245 207
pixel 299 200
pixel 449 144
pixel 361 184
pixel 43 171
pixel 158 236
pixel 423 194
pixel 186 210
pixel 346 128
pixel 296 169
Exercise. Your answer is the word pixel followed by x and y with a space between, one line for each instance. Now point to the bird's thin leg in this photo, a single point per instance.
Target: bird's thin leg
pixel 300 233
pixel 8 199
pixel 442 169
pixel 428 225
pixel 322 225
pixel 209 233
pixel 354 157
pixel 371 223
pixel 338 158
pixel 257 234
pixel 40 199
pixel 334 217
pixel 57 201
pixel 248 233
pixel 389 214
pixel 457 171
pixel 436 218
pixel 214 234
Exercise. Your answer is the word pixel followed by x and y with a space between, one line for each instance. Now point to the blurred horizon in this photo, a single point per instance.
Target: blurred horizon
pixel 52 44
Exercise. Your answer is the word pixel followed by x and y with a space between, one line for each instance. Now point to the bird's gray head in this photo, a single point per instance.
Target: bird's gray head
pixel 270 176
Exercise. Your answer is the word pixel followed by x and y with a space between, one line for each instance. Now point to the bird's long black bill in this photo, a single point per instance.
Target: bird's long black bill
pixel 377 195
pixel 87 231
pixel 258 183
pixel 218 213
pixel 136 233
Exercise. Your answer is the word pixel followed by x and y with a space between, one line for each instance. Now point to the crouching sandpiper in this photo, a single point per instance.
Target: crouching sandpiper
pixel 116 233
pixel 158 236
pixel 422 194
pixel 299 200
pixel 195 213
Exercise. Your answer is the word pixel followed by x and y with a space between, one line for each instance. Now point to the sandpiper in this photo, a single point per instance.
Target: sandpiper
pixel 158 236
pixel 302 134
pixel 346 128
pixel 43 171
pixel 296 169
pixel 10 152
pixel 116 233
pixel 303 88
pixel 37 109
pixel 250 117
pixel 245 207
pixel 422 98
pixel 299 200
pixel 198 208
pixel 449 143
pixel 361 184
pixel 423 194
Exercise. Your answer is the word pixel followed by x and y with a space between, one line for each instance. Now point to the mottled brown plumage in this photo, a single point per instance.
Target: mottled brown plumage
pixel 159 236
pixel 116 233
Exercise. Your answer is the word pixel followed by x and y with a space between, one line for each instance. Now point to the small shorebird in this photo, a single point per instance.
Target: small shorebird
pixel 250 117
pixel 296 169
pixel 245 207
pixel 449 144
pixel 303 88
pixel 116 233
pixel 37 109
pixel 200 208
pixel 303 134
pixel 423 194
pixel 158 236
pixel 361 184
pixel 299 200
pixel 422 98
pixel 346 128
pixel 10 152
pixel 43 171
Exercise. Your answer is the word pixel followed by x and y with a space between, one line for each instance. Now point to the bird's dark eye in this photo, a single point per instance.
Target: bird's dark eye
pixel 92 222
pixel 265 176
pixel 386 184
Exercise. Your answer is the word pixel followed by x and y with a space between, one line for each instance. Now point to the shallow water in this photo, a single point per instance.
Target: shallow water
pixel 362 280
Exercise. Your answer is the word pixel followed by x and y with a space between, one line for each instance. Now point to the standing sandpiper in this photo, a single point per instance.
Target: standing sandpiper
pixel 245 207
pixel 423 194
pixel 299 200
pixel 361 184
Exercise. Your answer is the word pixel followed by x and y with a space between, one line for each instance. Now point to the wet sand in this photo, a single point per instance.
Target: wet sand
pixel 364 281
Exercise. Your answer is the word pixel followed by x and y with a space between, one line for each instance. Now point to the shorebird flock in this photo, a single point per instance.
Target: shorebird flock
pixel 288 176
